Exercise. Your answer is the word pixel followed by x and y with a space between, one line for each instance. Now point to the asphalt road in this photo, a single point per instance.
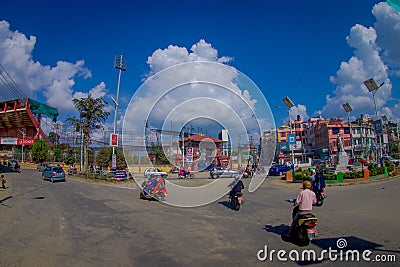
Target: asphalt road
pixel 84 224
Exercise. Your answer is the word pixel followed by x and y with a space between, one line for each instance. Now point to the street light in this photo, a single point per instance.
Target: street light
pixel 119 63
pixel 348 109
pixel 289 103
pixel 23 143
pixel 373 88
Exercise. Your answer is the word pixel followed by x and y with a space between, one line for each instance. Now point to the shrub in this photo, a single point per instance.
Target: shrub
pixel 353 175
pixel 329 176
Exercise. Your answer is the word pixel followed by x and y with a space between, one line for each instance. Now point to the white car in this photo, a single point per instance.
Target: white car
pixel 154 171
pixel 391 160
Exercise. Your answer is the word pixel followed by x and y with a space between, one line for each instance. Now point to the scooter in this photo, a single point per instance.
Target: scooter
pixel 305 229
pixel 188 175
pixel 320 194
pixel 236 200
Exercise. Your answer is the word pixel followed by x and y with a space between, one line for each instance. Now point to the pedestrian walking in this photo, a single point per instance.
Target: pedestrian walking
pixel 3 182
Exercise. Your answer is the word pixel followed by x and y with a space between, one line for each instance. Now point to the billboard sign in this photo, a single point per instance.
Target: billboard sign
pixel 9 141
pixel 292 139
pixel 378 126
pixel 114 140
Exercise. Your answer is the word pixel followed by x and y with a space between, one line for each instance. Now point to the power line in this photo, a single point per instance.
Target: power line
pixel 9 84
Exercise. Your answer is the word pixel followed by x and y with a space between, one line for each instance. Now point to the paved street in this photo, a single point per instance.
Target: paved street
pixel 84 224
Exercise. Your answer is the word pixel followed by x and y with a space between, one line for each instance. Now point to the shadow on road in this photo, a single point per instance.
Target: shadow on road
pixel 349 243
pixel 5 199
pixel 5 169
pixel 281 229
pixel 226 204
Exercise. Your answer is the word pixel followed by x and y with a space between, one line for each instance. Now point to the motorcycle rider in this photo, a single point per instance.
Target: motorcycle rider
pixel 319 181
pixel 303 205
pixel 237 186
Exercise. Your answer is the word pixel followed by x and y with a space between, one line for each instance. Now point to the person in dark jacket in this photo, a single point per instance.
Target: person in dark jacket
pixel 237 186
pixel 319 181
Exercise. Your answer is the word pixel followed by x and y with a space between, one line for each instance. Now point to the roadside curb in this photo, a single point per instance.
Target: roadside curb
pixel 369 181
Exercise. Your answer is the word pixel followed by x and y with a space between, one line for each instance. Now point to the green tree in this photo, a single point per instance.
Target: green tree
pixel 53 137
pixel 103 158
pixel 69 159
pixel 40 151
pixel 91 115
pixel 57 155
pixel 158 153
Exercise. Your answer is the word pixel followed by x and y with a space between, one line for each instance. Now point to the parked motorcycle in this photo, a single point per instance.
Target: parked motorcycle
pixel 305 230
pixel 236 200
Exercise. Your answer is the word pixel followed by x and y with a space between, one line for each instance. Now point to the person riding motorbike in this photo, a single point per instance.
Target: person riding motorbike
pixel 237 187
pixel 303 205
pixel 318 183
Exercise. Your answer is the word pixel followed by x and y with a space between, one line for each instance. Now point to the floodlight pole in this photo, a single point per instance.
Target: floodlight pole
pixel 119 63
pixel 348 109
pixel 373 88
pixel 23 144
pixel 351 135
pixel 289 103
pixel 291 132
pixel 376 114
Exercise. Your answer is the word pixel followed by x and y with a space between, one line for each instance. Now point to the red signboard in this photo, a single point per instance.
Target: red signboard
pixel 25 141
pixel 114 139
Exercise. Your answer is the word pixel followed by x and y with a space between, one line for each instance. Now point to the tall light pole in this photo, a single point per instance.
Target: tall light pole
pixel 348 109
pixel 183 148
pixel 23 144
pixel 289 103
pixel 373 88
pixel 119 63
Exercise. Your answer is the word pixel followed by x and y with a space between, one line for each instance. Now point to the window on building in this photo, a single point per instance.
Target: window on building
pixel 346 130
pixel 335 130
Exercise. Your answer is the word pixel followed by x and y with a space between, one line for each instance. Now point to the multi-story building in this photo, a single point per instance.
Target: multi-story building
pixel 364 138
pixel 318 139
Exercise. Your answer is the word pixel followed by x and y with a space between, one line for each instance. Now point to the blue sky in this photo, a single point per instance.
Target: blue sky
pixel 316 52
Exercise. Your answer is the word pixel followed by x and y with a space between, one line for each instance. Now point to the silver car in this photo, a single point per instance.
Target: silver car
pixel 53 173
pixel 42 166
pixel 223 172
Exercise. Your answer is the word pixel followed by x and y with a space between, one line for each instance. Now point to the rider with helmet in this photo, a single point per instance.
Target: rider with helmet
pixel 303 204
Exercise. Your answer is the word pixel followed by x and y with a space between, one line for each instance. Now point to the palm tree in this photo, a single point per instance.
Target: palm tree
pixel 91 115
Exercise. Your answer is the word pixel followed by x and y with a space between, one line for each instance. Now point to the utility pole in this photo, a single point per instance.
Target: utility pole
pixel 119 63
pixel 23 144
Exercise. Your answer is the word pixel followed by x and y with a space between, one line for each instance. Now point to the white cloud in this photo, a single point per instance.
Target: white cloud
pixel 369 44
pixel 56 82
pixel 173 55
pixel 387 26
pixel 187 91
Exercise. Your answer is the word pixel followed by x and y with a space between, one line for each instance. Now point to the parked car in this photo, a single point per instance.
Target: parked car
pixel 391 160
pixel 355 161
pixel 154 171
pixel 53 173
pixel 174 169
pixel 279 169
pixel 42 166
pixel 218 172
pixel 12 163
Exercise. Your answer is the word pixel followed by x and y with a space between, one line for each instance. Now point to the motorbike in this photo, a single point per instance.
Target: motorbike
pixel 236 200
pixel 305 229
pixel 320 194
pixel 145 195
pixel 188 175
pixel 247 174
